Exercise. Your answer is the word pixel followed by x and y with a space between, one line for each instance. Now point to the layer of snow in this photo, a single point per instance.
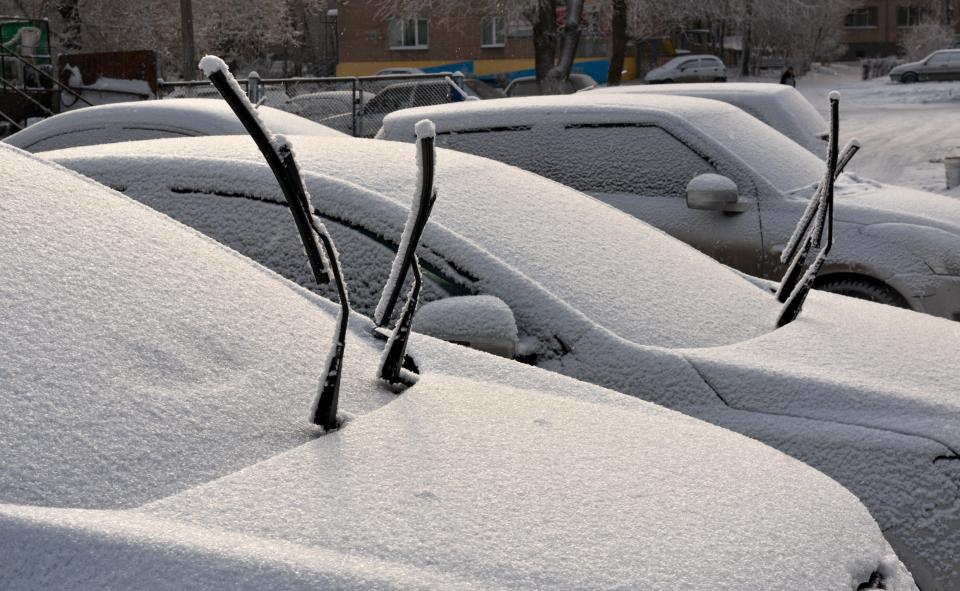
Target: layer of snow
pixel 131 121
pixel 144 362
pixel 467 318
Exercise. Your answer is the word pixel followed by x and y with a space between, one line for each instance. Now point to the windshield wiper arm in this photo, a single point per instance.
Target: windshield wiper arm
pixel 279 156
pixel 394 353
pixel 815 237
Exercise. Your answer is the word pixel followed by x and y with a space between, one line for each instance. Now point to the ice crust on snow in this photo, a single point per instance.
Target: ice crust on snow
pixel 142 360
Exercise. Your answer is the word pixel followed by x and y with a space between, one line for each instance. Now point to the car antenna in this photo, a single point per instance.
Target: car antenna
pixel 822 211
pixel 279 156
pixel 394 353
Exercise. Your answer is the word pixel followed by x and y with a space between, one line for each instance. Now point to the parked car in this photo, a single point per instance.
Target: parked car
pixel 895 245
pixel 317 106
pixel 402 95
pixel 939 65
pixel 399 71
pixel 866 393
pixel 124 122
pixel 528 85
pixel 688 68
pixel 778 105
pixel 154 436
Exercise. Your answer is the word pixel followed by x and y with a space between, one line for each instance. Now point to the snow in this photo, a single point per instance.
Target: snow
pixel 528 224
pixel 468 318
pixel 154 383
pixel 558 259
pixel 779 106
pixel 142 120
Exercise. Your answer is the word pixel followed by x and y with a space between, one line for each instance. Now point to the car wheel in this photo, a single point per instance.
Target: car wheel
pixel 909 78
pixel 719 79
pixel 864 289
pixel 667 81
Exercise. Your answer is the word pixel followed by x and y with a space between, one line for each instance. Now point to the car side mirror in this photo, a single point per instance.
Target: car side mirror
pixel 714 192
pixel 480 322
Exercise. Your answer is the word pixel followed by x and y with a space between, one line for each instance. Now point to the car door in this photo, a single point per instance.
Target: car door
pixel 954 73
pixel 937 67
pixel 689 71
pixel 712 69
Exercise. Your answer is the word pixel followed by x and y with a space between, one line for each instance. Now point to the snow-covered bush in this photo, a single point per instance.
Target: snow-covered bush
pixel 925 38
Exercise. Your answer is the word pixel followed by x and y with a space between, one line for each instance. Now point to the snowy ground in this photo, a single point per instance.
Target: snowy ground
pixel 905 128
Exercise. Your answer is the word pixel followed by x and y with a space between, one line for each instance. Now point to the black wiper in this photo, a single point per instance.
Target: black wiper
pixel 416 222
pixel 391 364
pixel 279 155
pixel 794 289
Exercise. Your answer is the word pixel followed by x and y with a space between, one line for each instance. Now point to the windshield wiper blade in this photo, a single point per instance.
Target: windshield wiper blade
pixel 279 156
pixel 824 223
pixel 391 364
pixel 416 222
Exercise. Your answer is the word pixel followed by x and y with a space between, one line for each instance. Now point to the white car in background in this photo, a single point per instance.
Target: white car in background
pixel 156 387
pixel 688 68
pixel 144 120
pixel 639 153
pixel 778 105
pixel 863 392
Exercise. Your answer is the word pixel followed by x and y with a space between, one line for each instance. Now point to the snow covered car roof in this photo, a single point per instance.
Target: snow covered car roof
pixel 120 122
pixel 778 105
pixel 610 300
pixel 155 387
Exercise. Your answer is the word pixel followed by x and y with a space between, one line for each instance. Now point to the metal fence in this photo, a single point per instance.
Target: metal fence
pixel 353 105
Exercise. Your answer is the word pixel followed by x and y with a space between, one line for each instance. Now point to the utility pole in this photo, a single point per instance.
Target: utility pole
pixel 188 67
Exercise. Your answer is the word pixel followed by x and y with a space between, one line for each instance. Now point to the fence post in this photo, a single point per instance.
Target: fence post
pixel 254 91
pixel 357 90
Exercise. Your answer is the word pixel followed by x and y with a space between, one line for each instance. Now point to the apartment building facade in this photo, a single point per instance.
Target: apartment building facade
pixel 874 27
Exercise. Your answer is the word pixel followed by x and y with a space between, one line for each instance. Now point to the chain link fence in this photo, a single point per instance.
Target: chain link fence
pixel 353 105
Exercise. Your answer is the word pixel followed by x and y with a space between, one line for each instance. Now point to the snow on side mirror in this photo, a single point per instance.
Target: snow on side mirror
pixel 714 192
pixel 480 322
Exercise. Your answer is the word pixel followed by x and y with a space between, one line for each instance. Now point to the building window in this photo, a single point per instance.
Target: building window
pixel 909 16
pixel 408 33
pixel 862 18
pixel 493 31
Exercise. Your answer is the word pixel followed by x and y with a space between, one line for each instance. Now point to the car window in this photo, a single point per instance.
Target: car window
pixel 264 231
pixel 430 94
pixel 955 58
pixel 688 64
pixel 390 100
pixel 938 59
pixel 605 158
pixel 524 88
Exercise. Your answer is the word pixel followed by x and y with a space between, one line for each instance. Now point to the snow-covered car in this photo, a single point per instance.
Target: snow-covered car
pixel 895 245
pixel 939 65
pixel 317 106
pixel 402 95
pixel 778 105
pixel 528 85
pixel 863 392
pixel 688 68
pixel 143 120
pixel 156 386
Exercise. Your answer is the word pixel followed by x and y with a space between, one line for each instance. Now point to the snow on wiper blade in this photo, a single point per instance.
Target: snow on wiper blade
pixel 279 156
pixel 793 290
pixel 391 365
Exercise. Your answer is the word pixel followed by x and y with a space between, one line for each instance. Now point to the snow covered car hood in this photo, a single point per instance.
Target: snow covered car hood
pixel 864 201
pixel 156 387
pixel 847 361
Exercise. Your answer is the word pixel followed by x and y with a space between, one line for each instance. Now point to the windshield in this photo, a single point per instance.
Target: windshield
pixel 782 162
pixel 623 274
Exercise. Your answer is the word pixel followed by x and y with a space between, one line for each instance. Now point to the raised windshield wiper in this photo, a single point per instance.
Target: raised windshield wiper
pixel 279 156
pixel 794 289
pixel 391 365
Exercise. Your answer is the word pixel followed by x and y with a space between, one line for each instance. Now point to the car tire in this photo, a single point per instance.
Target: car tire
pixel 719 79
pixel 909 78
pixel 864 289
pixel 667 81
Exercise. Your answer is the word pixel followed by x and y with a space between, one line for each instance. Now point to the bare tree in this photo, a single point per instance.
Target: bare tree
pixel 928 36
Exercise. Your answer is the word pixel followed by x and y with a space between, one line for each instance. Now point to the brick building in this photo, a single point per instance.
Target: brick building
pixel 483 45
pixel 874 27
